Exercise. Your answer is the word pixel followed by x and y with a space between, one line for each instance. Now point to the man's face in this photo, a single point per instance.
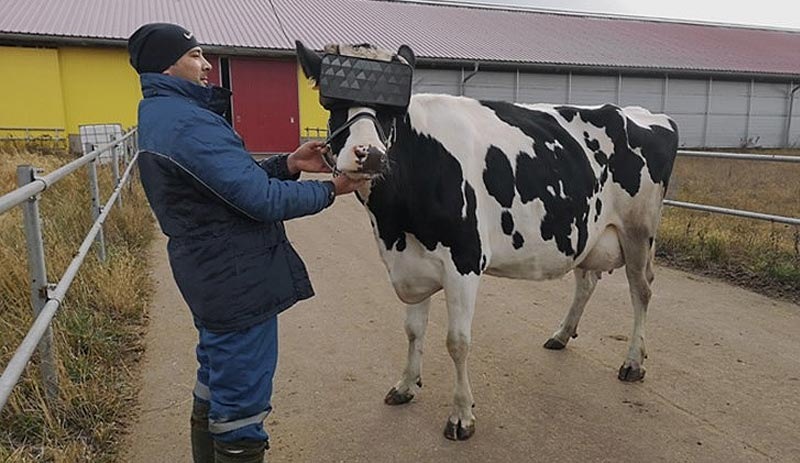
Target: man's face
pixel 192 66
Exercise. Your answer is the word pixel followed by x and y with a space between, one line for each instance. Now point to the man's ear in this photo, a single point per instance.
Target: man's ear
pixel 310 61
pixel 406 52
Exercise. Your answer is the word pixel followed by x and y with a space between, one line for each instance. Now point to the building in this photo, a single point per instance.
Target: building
pixel 726 86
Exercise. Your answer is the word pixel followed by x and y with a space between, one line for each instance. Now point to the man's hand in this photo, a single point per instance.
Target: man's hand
pixel 344 184
pixel 308 158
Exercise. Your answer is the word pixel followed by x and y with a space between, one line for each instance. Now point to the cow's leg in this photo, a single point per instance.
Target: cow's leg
pixel 460 297
pixel 638 269
pixel 585 282
pixel 409 384
pixel 649 269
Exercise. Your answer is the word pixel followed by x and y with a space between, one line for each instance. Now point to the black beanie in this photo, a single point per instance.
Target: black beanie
pixel 155 47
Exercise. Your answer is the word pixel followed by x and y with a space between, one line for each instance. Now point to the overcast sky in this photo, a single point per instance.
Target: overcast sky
pixel 773 13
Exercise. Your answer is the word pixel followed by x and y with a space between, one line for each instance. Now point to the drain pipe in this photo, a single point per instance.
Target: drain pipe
pixel 468 77
pixel 789 118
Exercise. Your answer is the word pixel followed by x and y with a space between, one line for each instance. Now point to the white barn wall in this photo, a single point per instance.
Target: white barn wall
pixel 490 85
pixel 686 103
pixel 770 107
pixel 794 138
pixel 542 88
pixel 727 120
pixel 593 90
pixel 719 113
pixel 436 81
pixel 645 92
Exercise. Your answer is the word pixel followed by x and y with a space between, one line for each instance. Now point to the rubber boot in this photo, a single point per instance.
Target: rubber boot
pixel 243 451
pixel 202 443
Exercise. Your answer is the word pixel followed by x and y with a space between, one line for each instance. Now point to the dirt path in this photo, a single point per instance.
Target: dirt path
pixel 723 381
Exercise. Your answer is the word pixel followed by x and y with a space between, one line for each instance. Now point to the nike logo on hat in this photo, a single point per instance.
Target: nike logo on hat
pixel 188 35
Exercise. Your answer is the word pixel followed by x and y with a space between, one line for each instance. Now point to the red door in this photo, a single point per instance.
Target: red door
pixel 214 75
pixel 265 106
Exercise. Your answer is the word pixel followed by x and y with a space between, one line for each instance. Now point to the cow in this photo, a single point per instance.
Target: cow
pixel 462 188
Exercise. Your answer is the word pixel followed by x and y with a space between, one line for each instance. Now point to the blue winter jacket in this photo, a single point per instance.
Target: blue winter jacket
pixel 221 210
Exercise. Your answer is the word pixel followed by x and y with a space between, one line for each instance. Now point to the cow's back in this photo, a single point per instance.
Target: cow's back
pixel 540 183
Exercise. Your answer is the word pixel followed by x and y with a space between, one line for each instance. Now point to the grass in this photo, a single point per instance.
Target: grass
pixel 97 330
pixel 759 255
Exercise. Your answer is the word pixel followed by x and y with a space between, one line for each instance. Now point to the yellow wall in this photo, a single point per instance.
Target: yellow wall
pixel 312 114
pixel 71 86
pixel 31 87
pixel 66 87
pixel 100 87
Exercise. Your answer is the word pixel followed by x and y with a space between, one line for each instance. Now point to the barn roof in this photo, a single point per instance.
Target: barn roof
pixel 435 32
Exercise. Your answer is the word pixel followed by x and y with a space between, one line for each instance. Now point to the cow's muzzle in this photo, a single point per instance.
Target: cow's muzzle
pixel 370 159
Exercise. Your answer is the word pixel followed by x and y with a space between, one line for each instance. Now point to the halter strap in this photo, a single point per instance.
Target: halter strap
pixel 353 120
pixel 328 157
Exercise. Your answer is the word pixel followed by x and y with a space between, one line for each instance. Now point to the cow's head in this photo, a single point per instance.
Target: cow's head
pixel 365 89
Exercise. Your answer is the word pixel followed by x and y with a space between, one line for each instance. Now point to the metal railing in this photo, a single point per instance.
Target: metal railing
pixel 46 298
pixel 318 132
pixel 31 133
pixel 736 212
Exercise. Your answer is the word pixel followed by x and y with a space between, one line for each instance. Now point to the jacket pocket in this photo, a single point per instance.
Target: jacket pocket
pixel 264 279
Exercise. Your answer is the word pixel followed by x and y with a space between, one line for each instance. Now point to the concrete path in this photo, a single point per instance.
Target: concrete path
pixel 722 385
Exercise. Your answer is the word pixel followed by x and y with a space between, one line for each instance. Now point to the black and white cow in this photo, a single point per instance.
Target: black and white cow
pixel 470 187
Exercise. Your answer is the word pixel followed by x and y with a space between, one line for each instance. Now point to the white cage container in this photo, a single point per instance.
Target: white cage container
pixel 95 135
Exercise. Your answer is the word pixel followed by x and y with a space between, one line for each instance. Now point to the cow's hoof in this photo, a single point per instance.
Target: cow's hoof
pixel 454 431
pixel 631 371
pixel 554 344
pixel 394 397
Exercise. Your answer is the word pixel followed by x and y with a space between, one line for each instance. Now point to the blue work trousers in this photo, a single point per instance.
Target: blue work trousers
pixel 235 378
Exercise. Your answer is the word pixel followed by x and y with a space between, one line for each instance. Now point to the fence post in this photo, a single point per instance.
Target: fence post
pixel 115 167
pixel 37 271
pixel 129 151
pixel 135 145
pixel 94 189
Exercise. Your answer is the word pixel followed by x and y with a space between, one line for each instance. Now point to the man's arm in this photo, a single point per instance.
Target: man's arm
pixel 308 157
pixel 277 167
pixel 214 156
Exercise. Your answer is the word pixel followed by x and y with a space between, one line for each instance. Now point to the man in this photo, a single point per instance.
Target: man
pixel 228 250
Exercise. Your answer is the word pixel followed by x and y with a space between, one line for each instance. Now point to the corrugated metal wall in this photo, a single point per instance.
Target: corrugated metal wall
pixel 709 113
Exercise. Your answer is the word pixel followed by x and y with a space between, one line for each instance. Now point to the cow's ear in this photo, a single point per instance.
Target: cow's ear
pixel 310 61
pixel 406 52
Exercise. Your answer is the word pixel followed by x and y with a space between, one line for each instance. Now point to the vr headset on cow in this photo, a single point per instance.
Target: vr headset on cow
pixel 350 81
pixel 353 78
pixel 347 81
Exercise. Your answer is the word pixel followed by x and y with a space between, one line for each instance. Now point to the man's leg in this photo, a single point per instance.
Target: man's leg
pixel 202 443
pixel 241 365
